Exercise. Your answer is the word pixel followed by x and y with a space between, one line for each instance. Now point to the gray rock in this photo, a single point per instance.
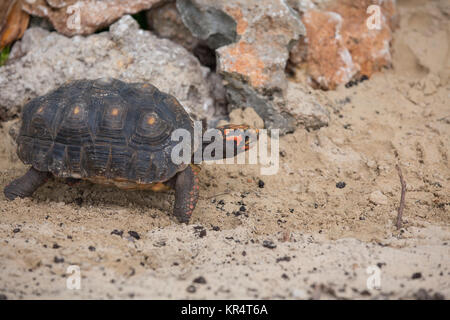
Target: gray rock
pixel 241 95
pixel 165 21
pixel 208 23
pixel 252 50
pixel 125 52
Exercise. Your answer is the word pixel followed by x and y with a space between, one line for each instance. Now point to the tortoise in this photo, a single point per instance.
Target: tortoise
pixel 111 132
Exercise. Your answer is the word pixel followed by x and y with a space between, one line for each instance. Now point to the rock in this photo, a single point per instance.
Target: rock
pixel 252 41
pixel 369 48
pixel 329 62
pixel 308 107
pixel 218 94
pixel 71 17
pixel 165 21
pixel 378 198
pixel 125 52
pixel 208 21
pixel 339 45
pixel 302 6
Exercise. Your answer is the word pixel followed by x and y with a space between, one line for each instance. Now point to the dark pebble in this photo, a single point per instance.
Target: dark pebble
pixel 191 289
pixel 56 246
pixel 200 280
pixel 242 208
pixel 365 293
pixel 134 234
pixel 261 184
pixel 91 248
pixel 269 244
pixel 117 232
pixel 286 258
pixel 202 233
pixel 16 230
pixel 416 275
pixel 340 185
pixel 58 260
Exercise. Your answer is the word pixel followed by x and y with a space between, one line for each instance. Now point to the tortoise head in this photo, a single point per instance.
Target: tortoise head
pixel 241 137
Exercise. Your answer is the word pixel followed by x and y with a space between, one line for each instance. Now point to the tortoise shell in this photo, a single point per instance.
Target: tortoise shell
pixel 103 130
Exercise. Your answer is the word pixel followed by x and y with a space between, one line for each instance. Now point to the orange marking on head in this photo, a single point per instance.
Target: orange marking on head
pixel 76 110
pixel 40 109
pixel 238 139
pixel 115 112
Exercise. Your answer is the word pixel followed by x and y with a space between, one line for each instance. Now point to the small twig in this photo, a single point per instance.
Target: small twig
pixel 402 197
pixel 216 195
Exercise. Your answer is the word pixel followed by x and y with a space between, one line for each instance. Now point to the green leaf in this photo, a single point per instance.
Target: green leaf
pixel 4 54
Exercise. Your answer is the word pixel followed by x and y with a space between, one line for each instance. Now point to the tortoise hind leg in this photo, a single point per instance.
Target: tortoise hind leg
pixel 26 185
pixel 186 193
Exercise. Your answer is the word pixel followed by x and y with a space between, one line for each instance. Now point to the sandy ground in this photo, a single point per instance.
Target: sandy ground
pixel 297 237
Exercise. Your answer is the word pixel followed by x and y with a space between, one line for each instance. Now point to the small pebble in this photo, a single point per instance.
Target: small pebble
pixel 416 275
pixel 117 232
pixel 191 289
pixel 340 185
pixel 58 260
pixel 134 234
pixel 286 258
pixel 261 184
pixel 269 244
pixel 200 280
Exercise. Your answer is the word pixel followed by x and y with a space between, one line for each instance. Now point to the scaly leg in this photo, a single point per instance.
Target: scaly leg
pixel 186 193
pixel 26 185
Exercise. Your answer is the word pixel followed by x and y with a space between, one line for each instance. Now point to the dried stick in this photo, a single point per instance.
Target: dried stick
pixel 402 198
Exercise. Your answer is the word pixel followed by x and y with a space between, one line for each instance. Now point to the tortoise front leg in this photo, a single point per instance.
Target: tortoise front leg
pixel 25 185
pixel 186 193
